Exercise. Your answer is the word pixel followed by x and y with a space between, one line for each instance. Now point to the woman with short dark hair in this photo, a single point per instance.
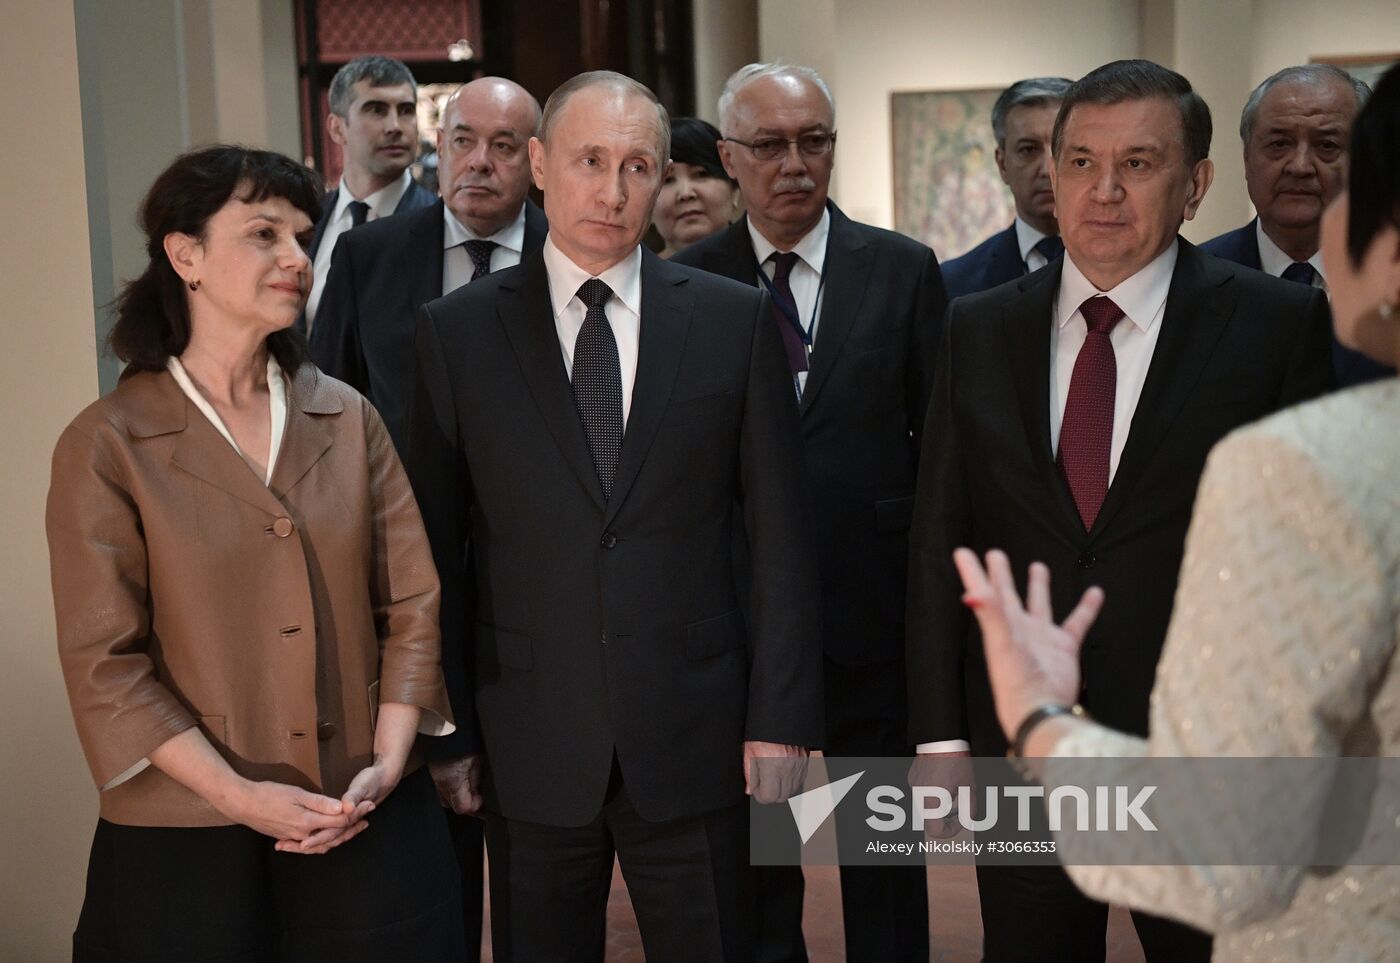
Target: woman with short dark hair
pixel 247 611
pixel 1283 642
pixel 698 197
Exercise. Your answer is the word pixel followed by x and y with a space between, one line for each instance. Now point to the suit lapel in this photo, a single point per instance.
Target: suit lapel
pixel 327 208
pixel 199 450
pixel 423 256
pixel 1026 326
pixel 734 258
pixel 527 315
pixel 536 227
pixel 305 439
pixel 1199 306
pixel 667 308
pixel 847 269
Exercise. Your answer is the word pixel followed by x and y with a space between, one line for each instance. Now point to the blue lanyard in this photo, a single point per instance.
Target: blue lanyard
pixel 791 313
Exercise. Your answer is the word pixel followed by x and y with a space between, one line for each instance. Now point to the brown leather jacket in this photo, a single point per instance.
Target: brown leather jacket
pixel 276 618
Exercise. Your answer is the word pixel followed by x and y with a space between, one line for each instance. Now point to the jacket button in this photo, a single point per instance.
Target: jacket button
pixel 282 527
pixel 609 540
pixel 1087 560
pixel 325 731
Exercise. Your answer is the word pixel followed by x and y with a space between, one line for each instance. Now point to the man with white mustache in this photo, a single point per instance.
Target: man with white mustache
pixel 860 311
pixel 381 273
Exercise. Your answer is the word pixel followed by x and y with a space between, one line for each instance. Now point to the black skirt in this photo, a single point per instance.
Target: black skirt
pixel 223 893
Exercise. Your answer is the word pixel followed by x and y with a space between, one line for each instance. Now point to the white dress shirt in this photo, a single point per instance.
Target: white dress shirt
pixel 1027 238
pixel 806 277
pixel 623 310
pixel 457 264
pixel 1273 260
pixel 1143 298
pixel 381 204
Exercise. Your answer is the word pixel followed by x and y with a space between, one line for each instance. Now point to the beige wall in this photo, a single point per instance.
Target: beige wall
pixel 726 38
pixel 868 49
pixel 48 372
pixel 881 46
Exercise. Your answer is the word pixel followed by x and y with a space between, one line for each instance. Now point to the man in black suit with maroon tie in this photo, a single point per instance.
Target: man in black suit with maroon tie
pixel 1071 417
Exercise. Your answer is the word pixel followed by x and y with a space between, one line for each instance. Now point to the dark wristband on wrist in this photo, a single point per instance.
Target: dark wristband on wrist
pixel 1017 749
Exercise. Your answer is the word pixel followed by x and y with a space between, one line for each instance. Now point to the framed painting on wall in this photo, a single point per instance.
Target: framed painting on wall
pixel 1367 67
pixel 947 192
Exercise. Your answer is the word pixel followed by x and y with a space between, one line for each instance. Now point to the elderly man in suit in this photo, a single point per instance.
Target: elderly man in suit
pixel 1296 129
pixel 374 120
pixel 1071 418
pixel 596 424
pixel 382 274
pixel 1022 119
pixel 859 309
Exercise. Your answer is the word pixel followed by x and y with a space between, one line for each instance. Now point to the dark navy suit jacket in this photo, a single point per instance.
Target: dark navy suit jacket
pixel 415 197
pixel 380 275
pixel 1242 246
pixel 995 261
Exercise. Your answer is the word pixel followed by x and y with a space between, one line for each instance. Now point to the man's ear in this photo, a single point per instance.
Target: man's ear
pixel 723 146
pixel 536 148
pixel 1201 178
pixel 1001 165
pixel 335 128
pixel 185 254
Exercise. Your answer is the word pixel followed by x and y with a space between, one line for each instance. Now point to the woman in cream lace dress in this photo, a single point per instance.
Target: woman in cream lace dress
pixel 1283 642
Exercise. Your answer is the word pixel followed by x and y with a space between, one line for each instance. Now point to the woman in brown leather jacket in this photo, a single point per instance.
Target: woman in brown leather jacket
pixel 247 611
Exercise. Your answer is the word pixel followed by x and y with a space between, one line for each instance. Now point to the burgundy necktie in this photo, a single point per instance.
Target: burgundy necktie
pixel 783 303
pixel 1086 433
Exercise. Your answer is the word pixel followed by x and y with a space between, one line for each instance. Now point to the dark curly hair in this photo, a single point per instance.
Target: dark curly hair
pixel 152 314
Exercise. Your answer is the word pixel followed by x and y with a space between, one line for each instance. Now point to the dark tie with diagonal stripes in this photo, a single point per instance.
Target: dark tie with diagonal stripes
pixel 597 383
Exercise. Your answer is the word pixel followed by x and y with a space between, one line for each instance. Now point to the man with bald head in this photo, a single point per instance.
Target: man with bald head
pixel 383 272
pixel 1296 129
pixel 859 309
pixel 597 426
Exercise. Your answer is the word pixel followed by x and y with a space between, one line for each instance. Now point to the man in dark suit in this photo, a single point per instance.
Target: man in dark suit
pixel 595 423
pixel 860 310
pixel 374 120
pixel 1181 348
pixel 1296 129
pixel 380 275
pixel 1022 119
pixel 384 272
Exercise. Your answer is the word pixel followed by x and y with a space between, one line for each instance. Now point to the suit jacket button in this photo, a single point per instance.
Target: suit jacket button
pixel 1088 560
pixel 609 540
pixel 282 527
pixel 325 731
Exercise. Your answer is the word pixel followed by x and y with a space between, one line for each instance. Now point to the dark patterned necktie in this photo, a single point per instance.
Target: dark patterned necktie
pixel 1301 272
pixel 1049 248
pixel 784 302
pixel 359 210
pixel 597 382
pixel 1086 433
pixel 480 253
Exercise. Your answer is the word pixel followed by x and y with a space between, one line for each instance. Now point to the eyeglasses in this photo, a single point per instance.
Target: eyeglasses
pixel 813 144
